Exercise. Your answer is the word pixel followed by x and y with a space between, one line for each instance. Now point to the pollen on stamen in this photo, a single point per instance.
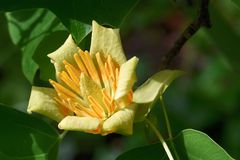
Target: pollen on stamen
pixel 90 66
pixel 73 72
pixel 102 71
pixel 89 111
pixel 80 64
pixel 108 102
pixel 59 88
pixel 97 107
pixel 64 110
pixel 69 82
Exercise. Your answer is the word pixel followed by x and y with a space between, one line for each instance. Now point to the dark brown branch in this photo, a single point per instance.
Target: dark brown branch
pixel 203 20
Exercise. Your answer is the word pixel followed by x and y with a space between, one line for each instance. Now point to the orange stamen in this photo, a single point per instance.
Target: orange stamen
pixel 105 74
pixel 72 71
pixel 96 107
pixel 90 66
pixel 108 102
pixel 80 64
pixel 102 71
pixel 60 89
pixel 70 83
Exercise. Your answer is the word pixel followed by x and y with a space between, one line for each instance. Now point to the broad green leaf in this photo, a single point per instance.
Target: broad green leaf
pixel 27 30
pixel 148 93
pixel 46 68
pixel 190 145
pixel 25 137
pixel 77 16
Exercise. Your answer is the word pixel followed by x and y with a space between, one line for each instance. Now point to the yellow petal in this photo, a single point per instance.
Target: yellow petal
pixel 41 101
pixel 107 41
pixel 74 123
pixel 120 122
pixel 65 52
pixel 127 77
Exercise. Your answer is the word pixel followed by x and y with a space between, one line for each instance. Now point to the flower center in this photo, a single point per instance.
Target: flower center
pixel 99 102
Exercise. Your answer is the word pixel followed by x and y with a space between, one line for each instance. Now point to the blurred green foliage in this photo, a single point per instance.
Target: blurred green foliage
pixel 207 98
pixel 15 89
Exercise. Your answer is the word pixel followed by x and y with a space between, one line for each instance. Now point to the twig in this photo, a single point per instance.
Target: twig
pixel 203 20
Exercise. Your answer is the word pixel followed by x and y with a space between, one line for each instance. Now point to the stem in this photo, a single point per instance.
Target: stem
pixel 166 118
pixel 62 135
pixel 168 126
pixel 164 144
pixel 203 20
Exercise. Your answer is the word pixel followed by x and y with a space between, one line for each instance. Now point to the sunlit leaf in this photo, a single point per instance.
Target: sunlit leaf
pixel 27 30
pixel 25 137
pixel 77 16
pixel 190 145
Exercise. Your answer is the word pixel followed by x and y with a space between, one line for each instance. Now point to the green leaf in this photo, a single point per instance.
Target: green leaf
pixel 190 145
pixel 77 16
pixel 25 137
pixel 47 70
pixel 28 29
pixel 146 95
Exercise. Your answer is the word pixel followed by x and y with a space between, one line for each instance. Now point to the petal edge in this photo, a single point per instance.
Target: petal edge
pixel 120 122
pixel 107 41
pixel 65 52
pixel 127 77
pixel 41 101
pixel 74 123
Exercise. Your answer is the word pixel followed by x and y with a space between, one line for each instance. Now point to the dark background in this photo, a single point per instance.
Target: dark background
pixel 206 98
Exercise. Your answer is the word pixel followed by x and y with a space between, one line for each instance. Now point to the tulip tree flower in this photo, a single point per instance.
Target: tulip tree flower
pixel 93 91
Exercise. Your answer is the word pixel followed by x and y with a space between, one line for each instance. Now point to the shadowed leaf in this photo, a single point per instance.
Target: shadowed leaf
pixel 190 145
pixel 25 137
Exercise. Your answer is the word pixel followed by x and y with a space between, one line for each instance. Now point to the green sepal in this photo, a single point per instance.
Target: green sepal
pixel 147 94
